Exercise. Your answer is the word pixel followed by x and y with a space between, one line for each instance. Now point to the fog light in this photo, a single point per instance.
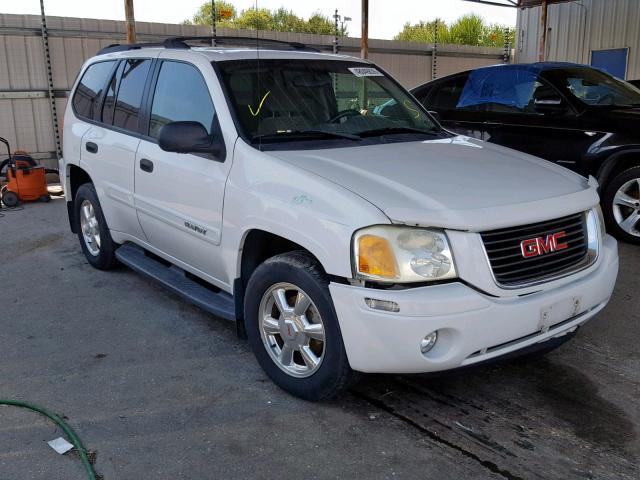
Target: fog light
pixel 384 305
pixel 428 342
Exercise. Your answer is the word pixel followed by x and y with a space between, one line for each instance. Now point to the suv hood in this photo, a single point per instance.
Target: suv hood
pixel 458 183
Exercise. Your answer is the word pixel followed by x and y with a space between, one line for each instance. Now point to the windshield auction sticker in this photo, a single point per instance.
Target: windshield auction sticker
pixel 365 72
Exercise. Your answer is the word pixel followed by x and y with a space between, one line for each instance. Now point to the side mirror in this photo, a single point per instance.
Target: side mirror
pixel 186 137
pixel 435 115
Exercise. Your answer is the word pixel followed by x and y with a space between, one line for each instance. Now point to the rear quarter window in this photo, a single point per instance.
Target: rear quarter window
pixel 90 88
pixel 130 91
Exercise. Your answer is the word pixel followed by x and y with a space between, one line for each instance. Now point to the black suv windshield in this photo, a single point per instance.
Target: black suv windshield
pixel 596 88
pixel 279 101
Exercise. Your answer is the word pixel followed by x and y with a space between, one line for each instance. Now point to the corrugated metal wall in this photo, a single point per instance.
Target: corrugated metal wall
pixel 25 114
pixel 576 29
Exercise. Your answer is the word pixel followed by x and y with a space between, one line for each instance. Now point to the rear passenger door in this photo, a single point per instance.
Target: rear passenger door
pixel 109 148
pixel 179 197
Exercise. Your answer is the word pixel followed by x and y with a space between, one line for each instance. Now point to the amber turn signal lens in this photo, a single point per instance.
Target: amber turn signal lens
pixel 375 257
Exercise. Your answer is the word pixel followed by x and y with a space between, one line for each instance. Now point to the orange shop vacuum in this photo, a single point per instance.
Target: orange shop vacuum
pixel 26 180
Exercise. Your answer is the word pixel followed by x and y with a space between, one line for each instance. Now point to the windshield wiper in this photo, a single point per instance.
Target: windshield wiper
pixel 382 131
pixel 293 134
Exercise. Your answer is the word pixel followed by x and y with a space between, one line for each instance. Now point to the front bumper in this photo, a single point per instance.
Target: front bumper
pixel 472 326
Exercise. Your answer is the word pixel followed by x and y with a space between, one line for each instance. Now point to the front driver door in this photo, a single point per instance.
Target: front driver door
pixel 524 112
pixel 179 197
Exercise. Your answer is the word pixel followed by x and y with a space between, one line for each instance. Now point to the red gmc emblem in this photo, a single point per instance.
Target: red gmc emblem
pixel 535 247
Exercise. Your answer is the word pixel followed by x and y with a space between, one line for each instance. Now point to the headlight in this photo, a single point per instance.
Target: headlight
pixel 395 254
pixel 600 217
pixel 595 231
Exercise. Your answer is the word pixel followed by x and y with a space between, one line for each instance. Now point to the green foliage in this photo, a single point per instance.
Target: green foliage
pixel 424 32
pixel 467 30
pixel 203 15
pixel 280 20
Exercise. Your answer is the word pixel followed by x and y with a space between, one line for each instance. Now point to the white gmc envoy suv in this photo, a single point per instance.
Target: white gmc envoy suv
pixel 312 200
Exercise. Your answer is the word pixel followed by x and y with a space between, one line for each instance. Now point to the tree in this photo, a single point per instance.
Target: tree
pixel 203 15
pixel 280 20
pixel 424 32
pixel 466 30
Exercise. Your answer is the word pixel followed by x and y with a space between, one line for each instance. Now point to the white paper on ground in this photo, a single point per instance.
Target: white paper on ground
pixel 60 445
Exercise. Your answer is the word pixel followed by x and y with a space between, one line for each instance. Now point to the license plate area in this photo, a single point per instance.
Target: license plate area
pixel 559 312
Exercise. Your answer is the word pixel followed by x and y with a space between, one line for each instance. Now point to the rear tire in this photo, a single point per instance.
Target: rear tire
pixel 95 239
pixel 621 205
pixel 304 324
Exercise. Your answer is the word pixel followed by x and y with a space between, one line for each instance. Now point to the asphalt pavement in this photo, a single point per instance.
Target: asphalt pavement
pixel 158 389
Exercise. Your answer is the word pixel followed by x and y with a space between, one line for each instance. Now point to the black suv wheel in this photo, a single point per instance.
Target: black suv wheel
pixel 621 205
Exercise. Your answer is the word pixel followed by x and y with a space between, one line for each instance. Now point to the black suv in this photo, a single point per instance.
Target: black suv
pixel 570 114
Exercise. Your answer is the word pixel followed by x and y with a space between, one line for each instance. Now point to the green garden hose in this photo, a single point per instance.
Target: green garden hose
pixel 75 440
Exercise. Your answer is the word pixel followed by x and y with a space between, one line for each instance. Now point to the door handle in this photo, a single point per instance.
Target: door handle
pixel 146 165
pixel 91 147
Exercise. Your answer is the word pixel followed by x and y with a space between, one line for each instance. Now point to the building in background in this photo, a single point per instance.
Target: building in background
pixel 602 33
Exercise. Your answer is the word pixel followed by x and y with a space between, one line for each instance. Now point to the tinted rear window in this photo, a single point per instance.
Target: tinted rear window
pixel 90 88
pixel 110 97
pixel 134 77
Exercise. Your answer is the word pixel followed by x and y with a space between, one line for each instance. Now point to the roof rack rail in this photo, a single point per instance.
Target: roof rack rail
pixel 181 42
pixel 124 47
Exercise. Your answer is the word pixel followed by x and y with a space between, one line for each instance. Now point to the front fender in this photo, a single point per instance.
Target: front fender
pixel 269 194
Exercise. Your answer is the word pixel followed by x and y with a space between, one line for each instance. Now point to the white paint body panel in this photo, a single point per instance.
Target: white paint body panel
pixel 112 170
pixel 467 320
pixel 459 183
pixel 319 198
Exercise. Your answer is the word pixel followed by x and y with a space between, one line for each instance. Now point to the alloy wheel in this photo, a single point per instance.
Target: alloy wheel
pixel 626 207
pixel 292 330
pixel 90 228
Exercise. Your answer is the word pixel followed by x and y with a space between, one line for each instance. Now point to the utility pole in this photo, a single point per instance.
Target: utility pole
pixel 364 41
pixel 434 54
pixel 213 23
pixel 542 52
pixel 507 44
pixel 336 18
pixel 47 62
pixel 130 21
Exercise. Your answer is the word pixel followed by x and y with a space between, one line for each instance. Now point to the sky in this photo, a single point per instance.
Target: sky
pixel 386 17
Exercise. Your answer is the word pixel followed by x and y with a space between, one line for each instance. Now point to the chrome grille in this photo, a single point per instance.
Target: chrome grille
pixel 511 268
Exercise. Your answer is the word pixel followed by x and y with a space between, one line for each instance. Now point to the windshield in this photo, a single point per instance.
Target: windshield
pixel 594 87
pixel 309 100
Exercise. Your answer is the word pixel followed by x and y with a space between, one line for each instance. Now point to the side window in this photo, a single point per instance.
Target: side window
pixel 110 97
pixel 129 96
pixel 181 94
pixel 502 90
pixel 445 97
pixel 89 89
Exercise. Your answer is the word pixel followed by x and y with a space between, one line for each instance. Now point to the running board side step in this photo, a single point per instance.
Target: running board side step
pixel 220 304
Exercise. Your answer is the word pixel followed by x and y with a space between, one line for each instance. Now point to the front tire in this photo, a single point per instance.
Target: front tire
pixel 621 204
pixel 95 239
pixel 293 329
